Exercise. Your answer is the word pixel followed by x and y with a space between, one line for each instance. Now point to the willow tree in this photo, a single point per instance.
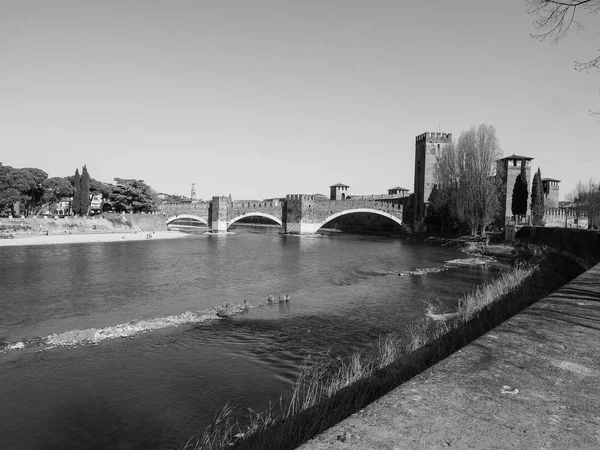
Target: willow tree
pixel 466 185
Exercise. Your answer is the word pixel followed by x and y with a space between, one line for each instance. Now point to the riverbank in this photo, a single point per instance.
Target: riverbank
pixel 529 383
pixel 51 239
pixel 328 391
pixel 74 230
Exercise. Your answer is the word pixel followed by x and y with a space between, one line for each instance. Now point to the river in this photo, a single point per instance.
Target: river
pixel 105 345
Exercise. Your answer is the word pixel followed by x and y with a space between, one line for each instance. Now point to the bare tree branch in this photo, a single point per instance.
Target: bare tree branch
pixel 554 20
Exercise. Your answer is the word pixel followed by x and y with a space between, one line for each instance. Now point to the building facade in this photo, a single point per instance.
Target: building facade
pixel 551 190
pixel 508 169
pixel 338 191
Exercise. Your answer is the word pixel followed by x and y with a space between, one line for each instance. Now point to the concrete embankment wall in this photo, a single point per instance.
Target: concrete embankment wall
pixel 147 222
pixel 584 245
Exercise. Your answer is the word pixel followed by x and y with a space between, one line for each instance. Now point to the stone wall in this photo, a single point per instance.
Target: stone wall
pixel 270 207
pixel 305 214
pixel 199 209
pixel 582 244
pixel 147 222
pixel 299 213
pixel 565 218
pixel 508 170
pixel 428 148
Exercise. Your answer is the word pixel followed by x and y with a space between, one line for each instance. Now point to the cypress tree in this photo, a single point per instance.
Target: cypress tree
pixel 520 193
pixel 76 204
pixel 537 199
pixel 84 193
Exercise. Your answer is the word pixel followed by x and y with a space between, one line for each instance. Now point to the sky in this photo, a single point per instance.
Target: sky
pixel 260 99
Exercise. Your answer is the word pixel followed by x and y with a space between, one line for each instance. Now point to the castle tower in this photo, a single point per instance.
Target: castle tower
pixel 508 169
pixel 193 193
pixel 428 147
pixel 551 188
pixel 338 191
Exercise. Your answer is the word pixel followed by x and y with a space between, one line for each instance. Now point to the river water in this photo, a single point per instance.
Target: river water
pixel 108 345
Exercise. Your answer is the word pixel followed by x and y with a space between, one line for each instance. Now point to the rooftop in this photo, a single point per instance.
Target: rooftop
pixel 398 188
pixel 550 179
pixel 339 185
pixel 513 156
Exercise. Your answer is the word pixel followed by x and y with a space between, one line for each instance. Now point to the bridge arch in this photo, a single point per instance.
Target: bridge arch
pixel 255 214
pixel 171 219
pixel 359 210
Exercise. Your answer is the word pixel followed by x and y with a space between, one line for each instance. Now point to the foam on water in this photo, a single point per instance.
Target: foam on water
pixel 422 271
pixel 95 335
pixel 132 328
pixel 475 261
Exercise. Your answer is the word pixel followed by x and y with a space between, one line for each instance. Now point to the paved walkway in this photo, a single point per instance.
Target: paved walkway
pixel 531 383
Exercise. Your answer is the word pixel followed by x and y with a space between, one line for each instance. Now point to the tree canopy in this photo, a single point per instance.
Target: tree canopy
pixel 21 185
pixel 130 195
pixel 35 190
pixel 56 188
pixel 466 186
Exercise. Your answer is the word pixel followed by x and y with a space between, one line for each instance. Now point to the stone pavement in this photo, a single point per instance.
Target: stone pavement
pixel 531 383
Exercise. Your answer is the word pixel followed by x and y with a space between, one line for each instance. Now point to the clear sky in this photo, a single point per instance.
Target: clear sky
pixel 259 99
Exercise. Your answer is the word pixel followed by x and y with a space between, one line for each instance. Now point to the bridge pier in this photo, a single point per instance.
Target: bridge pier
pixel 217 214
pixel 299 215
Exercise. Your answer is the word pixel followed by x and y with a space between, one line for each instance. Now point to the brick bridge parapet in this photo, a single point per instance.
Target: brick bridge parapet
pixel 297 213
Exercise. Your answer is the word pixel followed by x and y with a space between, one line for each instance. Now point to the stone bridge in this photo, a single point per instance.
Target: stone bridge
pixel 296 214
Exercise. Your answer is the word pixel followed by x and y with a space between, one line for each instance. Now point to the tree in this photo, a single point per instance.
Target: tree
pixel 585 200
pixel 56 188
pixel 520 193
pixel 130 195
pixel 84 191
pixel 23 186
pixel 99 188
pixel 76 204
pixel 466 185
pixel 537 199
pixel 556 17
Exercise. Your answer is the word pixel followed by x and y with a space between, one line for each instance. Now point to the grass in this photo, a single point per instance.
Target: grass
pixel 482 297
pixel 326 391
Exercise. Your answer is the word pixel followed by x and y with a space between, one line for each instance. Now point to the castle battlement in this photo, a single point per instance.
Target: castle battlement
pixel 563 212
pixel 433 135
pixel 300 197
pixel 565 218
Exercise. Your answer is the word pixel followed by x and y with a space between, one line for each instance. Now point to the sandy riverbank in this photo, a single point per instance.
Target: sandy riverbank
pixel 20 240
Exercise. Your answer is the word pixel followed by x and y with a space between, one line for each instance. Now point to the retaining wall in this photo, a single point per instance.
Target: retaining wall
pixel 583 244
pixel 147 222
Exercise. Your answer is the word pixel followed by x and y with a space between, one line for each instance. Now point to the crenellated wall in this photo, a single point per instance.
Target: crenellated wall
pixel 566 218
pixel 297 213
